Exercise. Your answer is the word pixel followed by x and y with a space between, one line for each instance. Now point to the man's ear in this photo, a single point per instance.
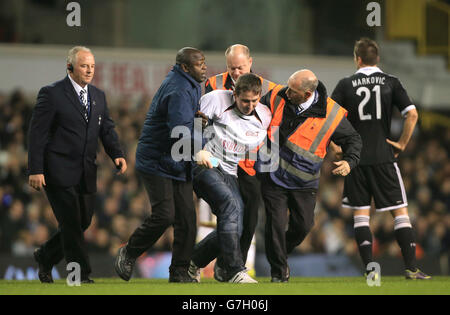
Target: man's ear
pixel 308 94
pixel 185 67
pixel 359 61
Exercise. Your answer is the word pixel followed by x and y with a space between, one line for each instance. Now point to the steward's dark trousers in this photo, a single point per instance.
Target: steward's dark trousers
pixel 250 188
pixel 73 209
pixel 279 242
pixel 172 204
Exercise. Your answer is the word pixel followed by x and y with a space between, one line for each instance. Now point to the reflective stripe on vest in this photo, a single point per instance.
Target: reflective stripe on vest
pixel 300 174
pixel 276 100
pixel 313 135
pixel 267 86
pixel 310 139
pixel 213 83
pixel 221 79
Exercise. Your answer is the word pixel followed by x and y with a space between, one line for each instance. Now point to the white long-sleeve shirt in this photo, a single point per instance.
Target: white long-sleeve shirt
pixel 234 133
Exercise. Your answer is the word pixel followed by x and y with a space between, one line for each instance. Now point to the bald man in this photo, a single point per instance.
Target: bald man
pixel 304 122
pixel 239 62
pixel 168 181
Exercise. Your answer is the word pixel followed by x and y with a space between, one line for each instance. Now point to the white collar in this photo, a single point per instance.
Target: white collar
pixel 77 87
pixel 308 103
pixel 369 70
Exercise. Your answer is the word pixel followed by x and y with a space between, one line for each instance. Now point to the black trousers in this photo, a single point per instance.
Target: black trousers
pixel 279 241
pixel 73 209
pixel 250 188
pixel 172 204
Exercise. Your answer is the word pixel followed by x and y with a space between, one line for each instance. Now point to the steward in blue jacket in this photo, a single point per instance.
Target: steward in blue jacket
pixel 167 178
pixel 175 104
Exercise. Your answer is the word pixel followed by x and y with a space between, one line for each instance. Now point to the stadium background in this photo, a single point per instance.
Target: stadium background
pixel 135 43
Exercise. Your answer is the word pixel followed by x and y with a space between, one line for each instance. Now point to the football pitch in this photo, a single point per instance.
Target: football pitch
pixel 296 286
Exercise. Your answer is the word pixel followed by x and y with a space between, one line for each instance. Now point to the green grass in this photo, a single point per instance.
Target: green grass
pixel 296 286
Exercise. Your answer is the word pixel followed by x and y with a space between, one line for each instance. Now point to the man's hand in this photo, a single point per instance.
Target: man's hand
pixel 398 147
pixel 336 150
pixel 37 181
pixel 204 118
pixel 343 168
pixel 121 165
pixel 203 158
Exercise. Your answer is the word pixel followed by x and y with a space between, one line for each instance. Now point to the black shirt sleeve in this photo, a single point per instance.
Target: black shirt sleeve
pixel 338 93
pixel 350 141
pixel 400 97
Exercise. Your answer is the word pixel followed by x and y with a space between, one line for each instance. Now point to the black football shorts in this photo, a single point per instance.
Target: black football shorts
pixel 383 182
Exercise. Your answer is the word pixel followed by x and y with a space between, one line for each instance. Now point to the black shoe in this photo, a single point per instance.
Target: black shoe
pixel 87 281
pixel 180 275
pixel 124 264
pixel 284 279
pixel 44 273
pixel 279 280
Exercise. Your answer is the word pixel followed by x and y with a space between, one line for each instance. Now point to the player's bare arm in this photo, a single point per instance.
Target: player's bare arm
pixel 411 118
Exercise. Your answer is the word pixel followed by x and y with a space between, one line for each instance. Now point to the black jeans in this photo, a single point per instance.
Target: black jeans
pixel 279 242
pixel 250 188
pixel 73 209
pixel 172 204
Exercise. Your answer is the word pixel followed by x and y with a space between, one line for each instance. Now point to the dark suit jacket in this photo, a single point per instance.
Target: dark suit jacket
pixel 62 144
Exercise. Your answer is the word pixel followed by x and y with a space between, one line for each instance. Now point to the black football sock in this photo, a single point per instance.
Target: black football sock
pixel 405 238
pixel 363 237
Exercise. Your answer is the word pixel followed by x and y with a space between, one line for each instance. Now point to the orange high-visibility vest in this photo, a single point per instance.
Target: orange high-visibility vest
pixel 301 157
pixel 217 82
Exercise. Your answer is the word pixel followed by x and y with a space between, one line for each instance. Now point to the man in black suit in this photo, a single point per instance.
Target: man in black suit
pixel 69 117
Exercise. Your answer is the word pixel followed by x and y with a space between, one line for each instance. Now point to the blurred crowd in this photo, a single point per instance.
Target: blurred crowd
pixel 27 220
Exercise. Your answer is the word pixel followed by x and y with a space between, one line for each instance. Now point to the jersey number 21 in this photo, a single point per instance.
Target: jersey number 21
pixel 367 95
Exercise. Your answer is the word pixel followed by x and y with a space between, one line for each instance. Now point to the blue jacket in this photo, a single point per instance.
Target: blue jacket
pixel 175 104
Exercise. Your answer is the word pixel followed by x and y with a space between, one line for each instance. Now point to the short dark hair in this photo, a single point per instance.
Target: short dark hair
pixel 367 49
pixel 248 82
pixel 185 56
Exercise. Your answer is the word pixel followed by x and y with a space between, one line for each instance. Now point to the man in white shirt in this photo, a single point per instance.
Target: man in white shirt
pixel 240 124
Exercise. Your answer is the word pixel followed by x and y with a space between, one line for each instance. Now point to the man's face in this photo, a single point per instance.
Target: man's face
pixel 247 101
pixel 84 68
pixel 197 68
pixel 238 65
pixel 295 95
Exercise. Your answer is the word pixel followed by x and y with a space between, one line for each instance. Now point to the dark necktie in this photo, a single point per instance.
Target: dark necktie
pixel 85 104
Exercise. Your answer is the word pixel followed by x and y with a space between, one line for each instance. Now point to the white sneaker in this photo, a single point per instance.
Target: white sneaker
pixel 242 277
pixel 219 273
pixel 194 271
